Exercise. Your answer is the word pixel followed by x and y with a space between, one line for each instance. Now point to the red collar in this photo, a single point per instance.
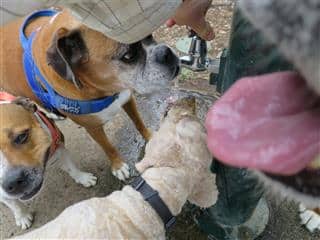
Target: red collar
pixel 6 97
pixel 51 128
pixel 46 124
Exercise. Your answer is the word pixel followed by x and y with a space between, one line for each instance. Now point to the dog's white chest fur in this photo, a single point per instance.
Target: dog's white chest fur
pixel 108 113
pixel 4 164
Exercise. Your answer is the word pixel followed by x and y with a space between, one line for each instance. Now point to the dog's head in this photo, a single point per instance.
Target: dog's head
pixel 272 122
pixel 24 149
pixel 180 108
pixel 180 144
pixel 90 60
pixel 163 149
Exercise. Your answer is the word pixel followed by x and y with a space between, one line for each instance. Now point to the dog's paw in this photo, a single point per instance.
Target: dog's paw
pixel 122 173
pixel 24 220
pixel 86 179
pixel 309 218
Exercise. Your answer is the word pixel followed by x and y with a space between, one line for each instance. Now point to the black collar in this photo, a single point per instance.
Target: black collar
pixel 152 197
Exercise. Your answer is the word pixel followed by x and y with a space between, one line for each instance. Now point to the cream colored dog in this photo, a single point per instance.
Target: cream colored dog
pixel 176 164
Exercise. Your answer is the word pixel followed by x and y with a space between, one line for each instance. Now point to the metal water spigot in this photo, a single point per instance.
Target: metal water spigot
pixel 197 59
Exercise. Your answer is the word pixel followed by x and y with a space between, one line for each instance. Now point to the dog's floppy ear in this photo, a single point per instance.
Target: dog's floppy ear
pixel 26 103
pixel 66 53
pixel 205 193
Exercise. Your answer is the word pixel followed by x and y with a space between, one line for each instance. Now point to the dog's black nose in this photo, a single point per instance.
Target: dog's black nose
pixel 15 181
pixel 164 55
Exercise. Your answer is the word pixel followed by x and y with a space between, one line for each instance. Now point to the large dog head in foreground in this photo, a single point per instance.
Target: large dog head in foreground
pixel 272 122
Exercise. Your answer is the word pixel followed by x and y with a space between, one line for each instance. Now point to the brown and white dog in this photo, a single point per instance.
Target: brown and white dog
pixel 176 164
pixel 29 142
pixel 100 65
pixel 271 123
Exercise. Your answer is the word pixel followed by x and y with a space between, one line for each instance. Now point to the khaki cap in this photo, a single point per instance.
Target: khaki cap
pixel 126 21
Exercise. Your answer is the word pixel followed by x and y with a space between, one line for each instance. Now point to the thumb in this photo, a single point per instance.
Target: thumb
pixel 170 22
pixel 203 29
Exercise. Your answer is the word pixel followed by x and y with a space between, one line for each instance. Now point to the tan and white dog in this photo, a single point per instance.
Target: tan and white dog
pixel 176 164
pixel 29 142
pixel 83 64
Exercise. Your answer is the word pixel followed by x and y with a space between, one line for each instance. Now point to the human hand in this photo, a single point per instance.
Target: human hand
pixel 192 13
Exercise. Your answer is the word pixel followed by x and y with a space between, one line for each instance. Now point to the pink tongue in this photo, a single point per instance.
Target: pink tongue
pixel 270 123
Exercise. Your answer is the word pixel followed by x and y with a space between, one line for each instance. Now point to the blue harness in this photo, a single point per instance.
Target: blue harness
pixel 50 99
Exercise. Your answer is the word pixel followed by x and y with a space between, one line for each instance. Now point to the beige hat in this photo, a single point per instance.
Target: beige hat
pixel 126 21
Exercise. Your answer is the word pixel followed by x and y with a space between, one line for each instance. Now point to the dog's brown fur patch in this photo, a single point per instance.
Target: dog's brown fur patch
pixel 14 120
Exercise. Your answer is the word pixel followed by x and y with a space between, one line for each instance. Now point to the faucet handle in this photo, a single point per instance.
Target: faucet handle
pixel 191 33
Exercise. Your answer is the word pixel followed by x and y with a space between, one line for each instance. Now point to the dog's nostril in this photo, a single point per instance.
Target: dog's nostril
pixel 19 182
pixel 15 182
pixel 15 186
pixel 164 55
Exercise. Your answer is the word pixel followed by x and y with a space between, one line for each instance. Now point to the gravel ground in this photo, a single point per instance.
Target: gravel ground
pixel 60 191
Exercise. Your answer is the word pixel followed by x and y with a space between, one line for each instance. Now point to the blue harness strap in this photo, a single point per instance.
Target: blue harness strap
pixel 50 99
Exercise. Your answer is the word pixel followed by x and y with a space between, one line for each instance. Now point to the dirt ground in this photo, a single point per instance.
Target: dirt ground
pixel 60 190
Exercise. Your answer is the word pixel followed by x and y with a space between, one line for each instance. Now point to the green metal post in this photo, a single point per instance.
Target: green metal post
pixel 239 192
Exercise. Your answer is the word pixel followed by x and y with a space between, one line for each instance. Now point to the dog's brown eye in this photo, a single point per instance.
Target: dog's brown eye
pixel 22 138
pixel 132 54
pixel 128 57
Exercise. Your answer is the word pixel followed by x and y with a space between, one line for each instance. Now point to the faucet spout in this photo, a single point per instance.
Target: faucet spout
pixel 197 59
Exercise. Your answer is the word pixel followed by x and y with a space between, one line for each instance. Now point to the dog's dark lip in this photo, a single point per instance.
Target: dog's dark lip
pixel 306 182
pixel 176 72
pixel 28 196
pixel 35 190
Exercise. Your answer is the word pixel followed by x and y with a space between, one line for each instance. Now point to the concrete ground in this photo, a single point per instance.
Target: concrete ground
pixel 60 190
